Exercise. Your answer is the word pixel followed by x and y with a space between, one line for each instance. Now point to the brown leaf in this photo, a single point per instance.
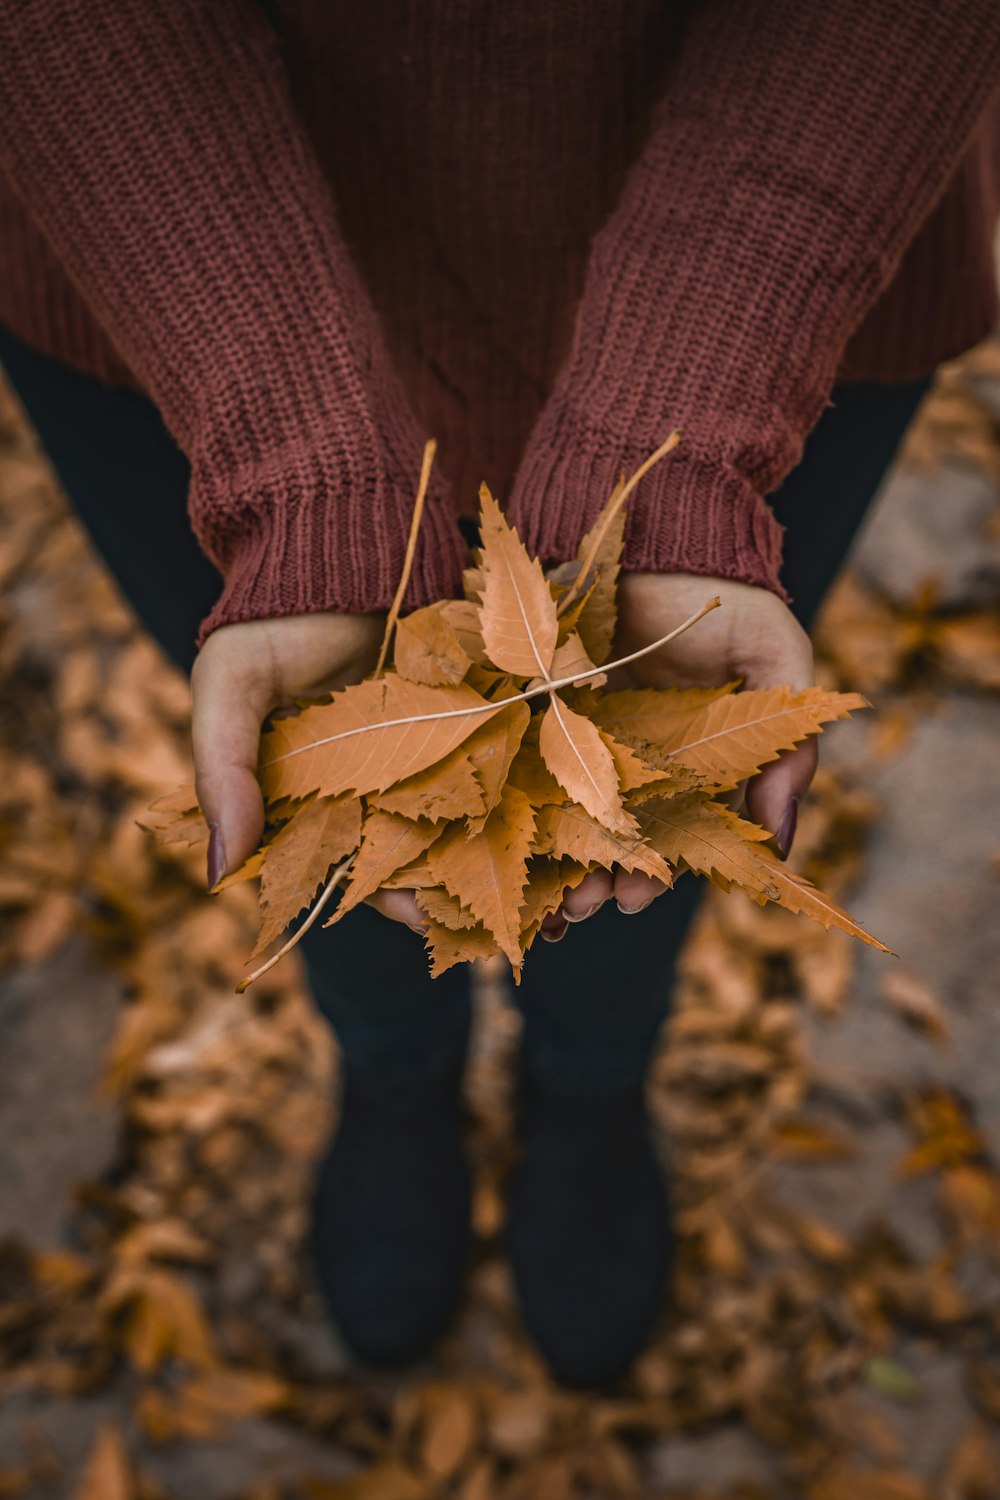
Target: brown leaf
pixel 599 614
pixel 491 751
pixel 368 737
pixel 518 612
pixel 107 1473
pixel 388 843
pixel 383 1481
pixel 463 617
pixel 299 859
pixel 973 1470
pixel 573 750
pixel 571 659
pixel 444 909
pixel 548 882
pixel 916 1002
pixel 448 947
pixel 427 648
pixel 487 871
pixel 572 833
pixel 448 789
pixel 732 736
pixel 450 1427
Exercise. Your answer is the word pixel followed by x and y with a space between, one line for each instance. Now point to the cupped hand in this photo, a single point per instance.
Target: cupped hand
pixel 753 637
pixel 243 673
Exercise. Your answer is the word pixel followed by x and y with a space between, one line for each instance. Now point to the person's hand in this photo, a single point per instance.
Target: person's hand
pixel 753 637
pixel 243 673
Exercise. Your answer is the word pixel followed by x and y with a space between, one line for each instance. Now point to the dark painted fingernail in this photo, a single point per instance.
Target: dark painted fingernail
pixel 555 934
pixel 216 856
pixel 785 835
pixel 580 916
pixel 633 911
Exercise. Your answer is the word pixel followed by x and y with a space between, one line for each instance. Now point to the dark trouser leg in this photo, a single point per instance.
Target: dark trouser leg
pixel 127 482
pixel 593 1004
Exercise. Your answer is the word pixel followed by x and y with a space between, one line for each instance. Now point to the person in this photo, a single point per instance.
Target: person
pixel 253 251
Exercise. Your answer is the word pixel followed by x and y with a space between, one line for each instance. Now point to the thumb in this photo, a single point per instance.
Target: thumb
pixel 230 698
pixel 774 794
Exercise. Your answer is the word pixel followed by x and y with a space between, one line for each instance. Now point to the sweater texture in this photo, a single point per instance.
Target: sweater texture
pixel 314 232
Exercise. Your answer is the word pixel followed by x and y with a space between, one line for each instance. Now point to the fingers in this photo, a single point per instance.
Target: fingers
pixel 400 906
pixel 774 795
pixel 231 693
pixel 589 896
pixel 634 891
pixel 782 653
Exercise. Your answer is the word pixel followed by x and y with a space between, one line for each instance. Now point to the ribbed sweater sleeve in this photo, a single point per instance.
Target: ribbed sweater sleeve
pixel 157 147
pixel 794 152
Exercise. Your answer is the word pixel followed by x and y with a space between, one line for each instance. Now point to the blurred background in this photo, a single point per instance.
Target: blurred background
pixel 832 1117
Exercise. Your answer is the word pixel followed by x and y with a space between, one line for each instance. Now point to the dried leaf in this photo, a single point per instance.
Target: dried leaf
pixel 448 789
pixel 487 871
pixel 388 842
pixel 518 612
pixel 573 750
pixel 570 832
pixel 491 751
pixel 444 910
pixel 448 948
pixel 427 648
pixel 368 737
pixel 732 736
pixel 450 1430
pixel 107 1473
pixel 599 613
pixel 299 859
pixel 548 882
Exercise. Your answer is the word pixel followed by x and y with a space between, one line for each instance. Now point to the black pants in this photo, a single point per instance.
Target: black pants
pixel 592 1004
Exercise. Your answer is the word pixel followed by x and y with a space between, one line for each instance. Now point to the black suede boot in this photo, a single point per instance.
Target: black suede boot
pixel 391 1215
pixel 590 1237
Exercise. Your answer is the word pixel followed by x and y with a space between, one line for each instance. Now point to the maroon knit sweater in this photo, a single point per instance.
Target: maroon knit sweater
pixel 544 233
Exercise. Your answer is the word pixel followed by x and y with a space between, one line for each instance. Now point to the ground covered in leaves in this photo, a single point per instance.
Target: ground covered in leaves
pixel 831 1116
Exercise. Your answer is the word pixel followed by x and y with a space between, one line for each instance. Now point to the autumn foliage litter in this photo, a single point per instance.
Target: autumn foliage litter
pixel 492 766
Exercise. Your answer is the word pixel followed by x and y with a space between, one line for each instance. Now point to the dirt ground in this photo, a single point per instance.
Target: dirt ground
pixel 831 1117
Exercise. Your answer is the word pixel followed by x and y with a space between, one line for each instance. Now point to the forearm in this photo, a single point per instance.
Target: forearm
pixel 794 154
pixel 158 149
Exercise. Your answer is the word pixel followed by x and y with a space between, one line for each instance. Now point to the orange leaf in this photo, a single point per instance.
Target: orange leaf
pixel 445 910
pixel 581 762
pixel 732 736
pixel 107 1473
pixel 491 751
pixel 548 882
pixel 447 789
pixel 448 948
pixel 300 859
pixel 388 843
pixel 368 737
pixel 487 871
pixel 572 833
pixel 518 612
pixel 599 614
pixel 427 648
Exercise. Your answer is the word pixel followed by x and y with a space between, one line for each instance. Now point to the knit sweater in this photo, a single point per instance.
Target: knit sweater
pixel 314 231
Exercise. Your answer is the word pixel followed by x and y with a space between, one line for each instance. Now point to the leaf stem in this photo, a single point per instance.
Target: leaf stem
pixel 618 498
pixel 300 932
pixel 430 448
pixel 491 708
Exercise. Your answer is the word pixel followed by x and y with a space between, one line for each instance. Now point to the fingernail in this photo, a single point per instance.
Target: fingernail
pixel 633 911
pixel 786 828
pixel 554 934
pixel 216 856
pixel 581 916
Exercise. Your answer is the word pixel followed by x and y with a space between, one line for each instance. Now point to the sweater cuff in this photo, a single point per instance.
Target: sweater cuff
pixel 326 541
pixel 687 515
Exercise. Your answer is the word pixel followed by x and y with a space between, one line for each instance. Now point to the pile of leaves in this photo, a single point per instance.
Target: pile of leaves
pixel 492 767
